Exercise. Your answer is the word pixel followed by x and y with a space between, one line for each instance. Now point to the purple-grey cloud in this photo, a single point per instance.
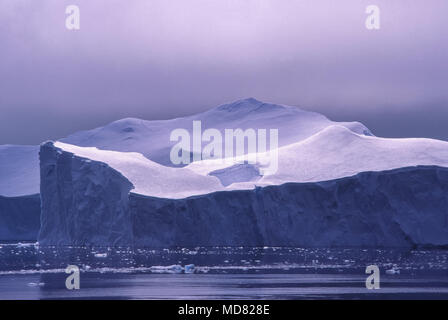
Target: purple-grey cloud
pixel 158 59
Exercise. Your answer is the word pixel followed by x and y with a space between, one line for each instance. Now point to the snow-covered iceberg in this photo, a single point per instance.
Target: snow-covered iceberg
pixel 336 185
pixel 403 206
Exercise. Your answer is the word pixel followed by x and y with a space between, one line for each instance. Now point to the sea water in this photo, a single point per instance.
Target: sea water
pixel 28 271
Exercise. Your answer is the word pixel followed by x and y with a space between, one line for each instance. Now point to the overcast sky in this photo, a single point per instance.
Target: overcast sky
pixel 158 59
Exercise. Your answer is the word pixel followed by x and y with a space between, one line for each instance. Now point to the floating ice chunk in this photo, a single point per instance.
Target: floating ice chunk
pixel 36 284
pixel 393 271
pixel 24 245
pixel 167 269
pixel 189 268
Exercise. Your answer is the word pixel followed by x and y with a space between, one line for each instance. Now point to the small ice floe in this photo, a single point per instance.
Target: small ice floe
pixel 393 271
pixel 189 268
pixel 100 255
pixel 24 245
pixel 167 269
pixel 36 284
pixel 175 268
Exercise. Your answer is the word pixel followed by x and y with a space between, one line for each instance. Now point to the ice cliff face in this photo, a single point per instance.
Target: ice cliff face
pixel 88 202
pixel 83 201
pixel 402 207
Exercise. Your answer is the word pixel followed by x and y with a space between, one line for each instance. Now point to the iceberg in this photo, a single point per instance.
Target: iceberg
pixel 87 201
pixel 336 185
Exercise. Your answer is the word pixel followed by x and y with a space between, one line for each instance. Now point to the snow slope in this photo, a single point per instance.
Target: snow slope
pixel 149 177
pixel 152 138
pixel 19 168
pixel 332 153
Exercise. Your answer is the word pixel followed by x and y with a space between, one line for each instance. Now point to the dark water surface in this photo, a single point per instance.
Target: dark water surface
pixel 28 271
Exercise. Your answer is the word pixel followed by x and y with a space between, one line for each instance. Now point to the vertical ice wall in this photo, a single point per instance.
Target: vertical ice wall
pixel 397 208
pixel 83 201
